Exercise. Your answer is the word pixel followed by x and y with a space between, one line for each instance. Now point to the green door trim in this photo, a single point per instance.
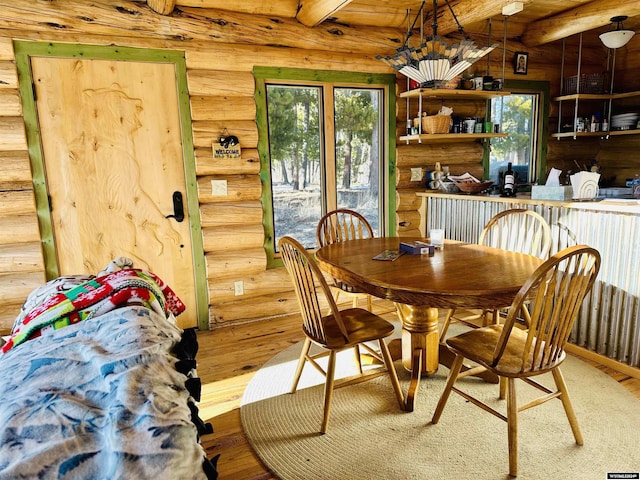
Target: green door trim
pixel 23 52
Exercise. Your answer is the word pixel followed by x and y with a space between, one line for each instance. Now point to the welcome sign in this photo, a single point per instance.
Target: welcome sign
pixel 222 152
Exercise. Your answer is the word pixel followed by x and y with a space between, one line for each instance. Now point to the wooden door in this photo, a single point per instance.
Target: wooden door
pixel 113 159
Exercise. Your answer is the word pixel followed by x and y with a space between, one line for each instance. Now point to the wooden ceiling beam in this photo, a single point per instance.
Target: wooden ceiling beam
pixel 278 8
pixel 163 7
pixel 580 19
pixel 467 12
pixel 314 12
pixel 361 12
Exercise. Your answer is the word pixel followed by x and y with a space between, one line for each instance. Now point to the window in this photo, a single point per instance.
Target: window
pixel 516 114
pixel 523 115
pixel 325 146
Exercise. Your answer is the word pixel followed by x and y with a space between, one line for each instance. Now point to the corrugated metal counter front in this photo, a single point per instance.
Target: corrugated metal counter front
pixel 609 322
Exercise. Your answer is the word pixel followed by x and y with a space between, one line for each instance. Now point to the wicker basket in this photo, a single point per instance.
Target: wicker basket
pixel 436 124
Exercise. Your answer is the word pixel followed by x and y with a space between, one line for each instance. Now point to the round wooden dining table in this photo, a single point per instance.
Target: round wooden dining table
pixel 459 275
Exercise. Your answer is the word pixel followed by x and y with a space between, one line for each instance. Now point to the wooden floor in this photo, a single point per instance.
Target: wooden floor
pixel 228 358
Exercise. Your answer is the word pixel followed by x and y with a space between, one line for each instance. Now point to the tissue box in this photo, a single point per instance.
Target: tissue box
pixel 544 192
pixel 417 248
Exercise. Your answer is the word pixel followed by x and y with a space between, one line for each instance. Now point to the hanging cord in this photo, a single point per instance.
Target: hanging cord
pixel 504 47
pixel 489 43
pixel 434 24
pixel 460 29
pixel 410 29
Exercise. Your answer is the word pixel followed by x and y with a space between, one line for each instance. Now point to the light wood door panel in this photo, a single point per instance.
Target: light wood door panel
pixel 111 141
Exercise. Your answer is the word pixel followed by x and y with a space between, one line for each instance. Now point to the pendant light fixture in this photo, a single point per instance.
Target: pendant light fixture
pixel 435 61
pixel 619 37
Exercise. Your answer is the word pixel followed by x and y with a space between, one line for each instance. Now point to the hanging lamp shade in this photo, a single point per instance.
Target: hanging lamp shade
pixel 619 37
pixel 616 38
pixel 435 62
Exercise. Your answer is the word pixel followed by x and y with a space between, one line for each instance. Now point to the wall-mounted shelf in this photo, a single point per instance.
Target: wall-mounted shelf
pixel 612 133
pixel 426 94
pixel 449 137
pixel 597 96
pixel 576 98
pixel 452 93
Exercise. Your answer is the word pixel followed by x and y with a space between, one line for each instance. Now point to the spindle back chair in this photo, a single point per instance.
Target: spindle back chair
pixel 336 331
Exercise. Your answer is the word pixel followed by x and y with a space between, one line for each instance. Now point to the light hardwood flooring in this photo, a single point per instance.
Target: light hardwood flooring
pixel 227 359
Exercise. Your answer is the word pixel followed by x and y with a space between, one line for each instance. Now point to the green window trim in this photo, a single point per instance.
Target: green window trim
pixel 263 75
pixel 543 89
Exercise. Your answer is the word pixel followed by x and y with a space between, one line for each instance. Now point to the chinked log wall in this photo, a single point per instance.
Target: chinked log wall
pixel 221 49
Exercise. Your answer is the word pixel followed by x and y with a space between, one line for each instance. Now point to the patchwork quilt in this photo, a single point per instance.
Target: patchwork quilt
pixel 103 397
pixel 95 296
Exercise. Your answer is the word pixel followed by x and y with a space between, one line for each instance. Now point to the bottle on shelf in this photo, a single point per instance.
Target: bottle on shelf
pixel 509 182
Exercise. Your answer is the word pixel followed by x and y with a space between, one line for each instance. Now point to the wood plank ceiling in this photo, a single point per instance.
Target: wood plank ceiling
pixel 540 22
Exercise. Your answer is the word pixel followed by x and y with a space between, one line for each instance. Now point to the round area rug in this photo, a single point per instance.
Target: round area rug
pixel 370 437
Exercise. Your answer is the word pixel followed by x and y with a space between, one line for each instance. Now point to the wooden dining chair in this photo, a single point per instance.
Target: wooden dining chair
pixel 337 331
pixel 338 226
pixel 554 293
pixel 518 230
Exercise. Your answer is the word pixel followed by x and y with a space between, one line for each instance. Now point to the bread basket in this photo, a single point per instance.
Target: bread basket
pixel 436 123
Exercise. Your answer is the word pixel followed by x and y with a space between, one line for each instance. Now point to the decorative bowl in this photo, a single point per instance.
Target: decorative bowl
pixel 474 187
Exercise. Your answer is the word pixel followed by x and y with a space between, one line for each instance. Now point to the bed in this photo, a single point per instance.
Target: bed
pixel 97 381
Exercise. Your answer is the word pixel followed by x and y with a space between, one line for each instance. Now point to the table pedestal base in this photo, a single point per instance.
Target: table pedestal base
pixel 421 348
pixel 420 345
pixel 419 331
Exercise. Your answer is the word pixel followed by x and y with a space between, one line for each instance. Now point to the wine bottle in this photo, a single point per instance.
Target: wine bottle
pixel 509 186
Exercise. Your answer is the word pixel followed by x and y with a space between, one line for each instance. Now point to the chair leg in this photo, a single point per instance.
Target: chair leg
pixel 495 317
pixel 453 376
pixel 337 292
pixel 356 351
pixel 301 361
pixel 566 403
pixel 369 304
pixel 328 390
pixel 393 375
pixel 512 426
pixel 445 324
pixel 503 387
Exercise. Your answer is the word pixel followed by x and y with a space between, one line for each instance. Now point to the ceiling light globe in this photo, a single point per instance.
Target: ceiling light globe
pixel 616 38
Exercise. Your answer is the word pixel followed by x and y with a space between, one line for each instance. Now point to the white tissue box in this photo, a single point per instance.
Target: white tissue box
pixel 545 192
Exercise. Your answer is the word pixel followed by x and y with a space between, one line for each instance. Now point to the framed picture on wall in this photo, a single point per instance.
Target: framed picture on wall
pixel 521 63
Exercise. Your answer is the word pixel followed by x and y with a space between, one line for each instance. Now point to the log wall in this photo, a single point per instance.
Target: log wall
pixel 221 50
pixel 21 264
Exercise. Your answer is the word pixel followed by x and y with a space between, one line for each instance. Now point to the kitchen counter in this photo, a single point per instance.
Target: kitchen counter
pixel 607 323
pixel 629 206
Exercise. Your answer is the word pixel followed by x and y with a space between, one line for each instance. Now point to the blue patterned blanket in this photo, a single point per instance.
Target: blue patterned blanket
pixel 100 399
